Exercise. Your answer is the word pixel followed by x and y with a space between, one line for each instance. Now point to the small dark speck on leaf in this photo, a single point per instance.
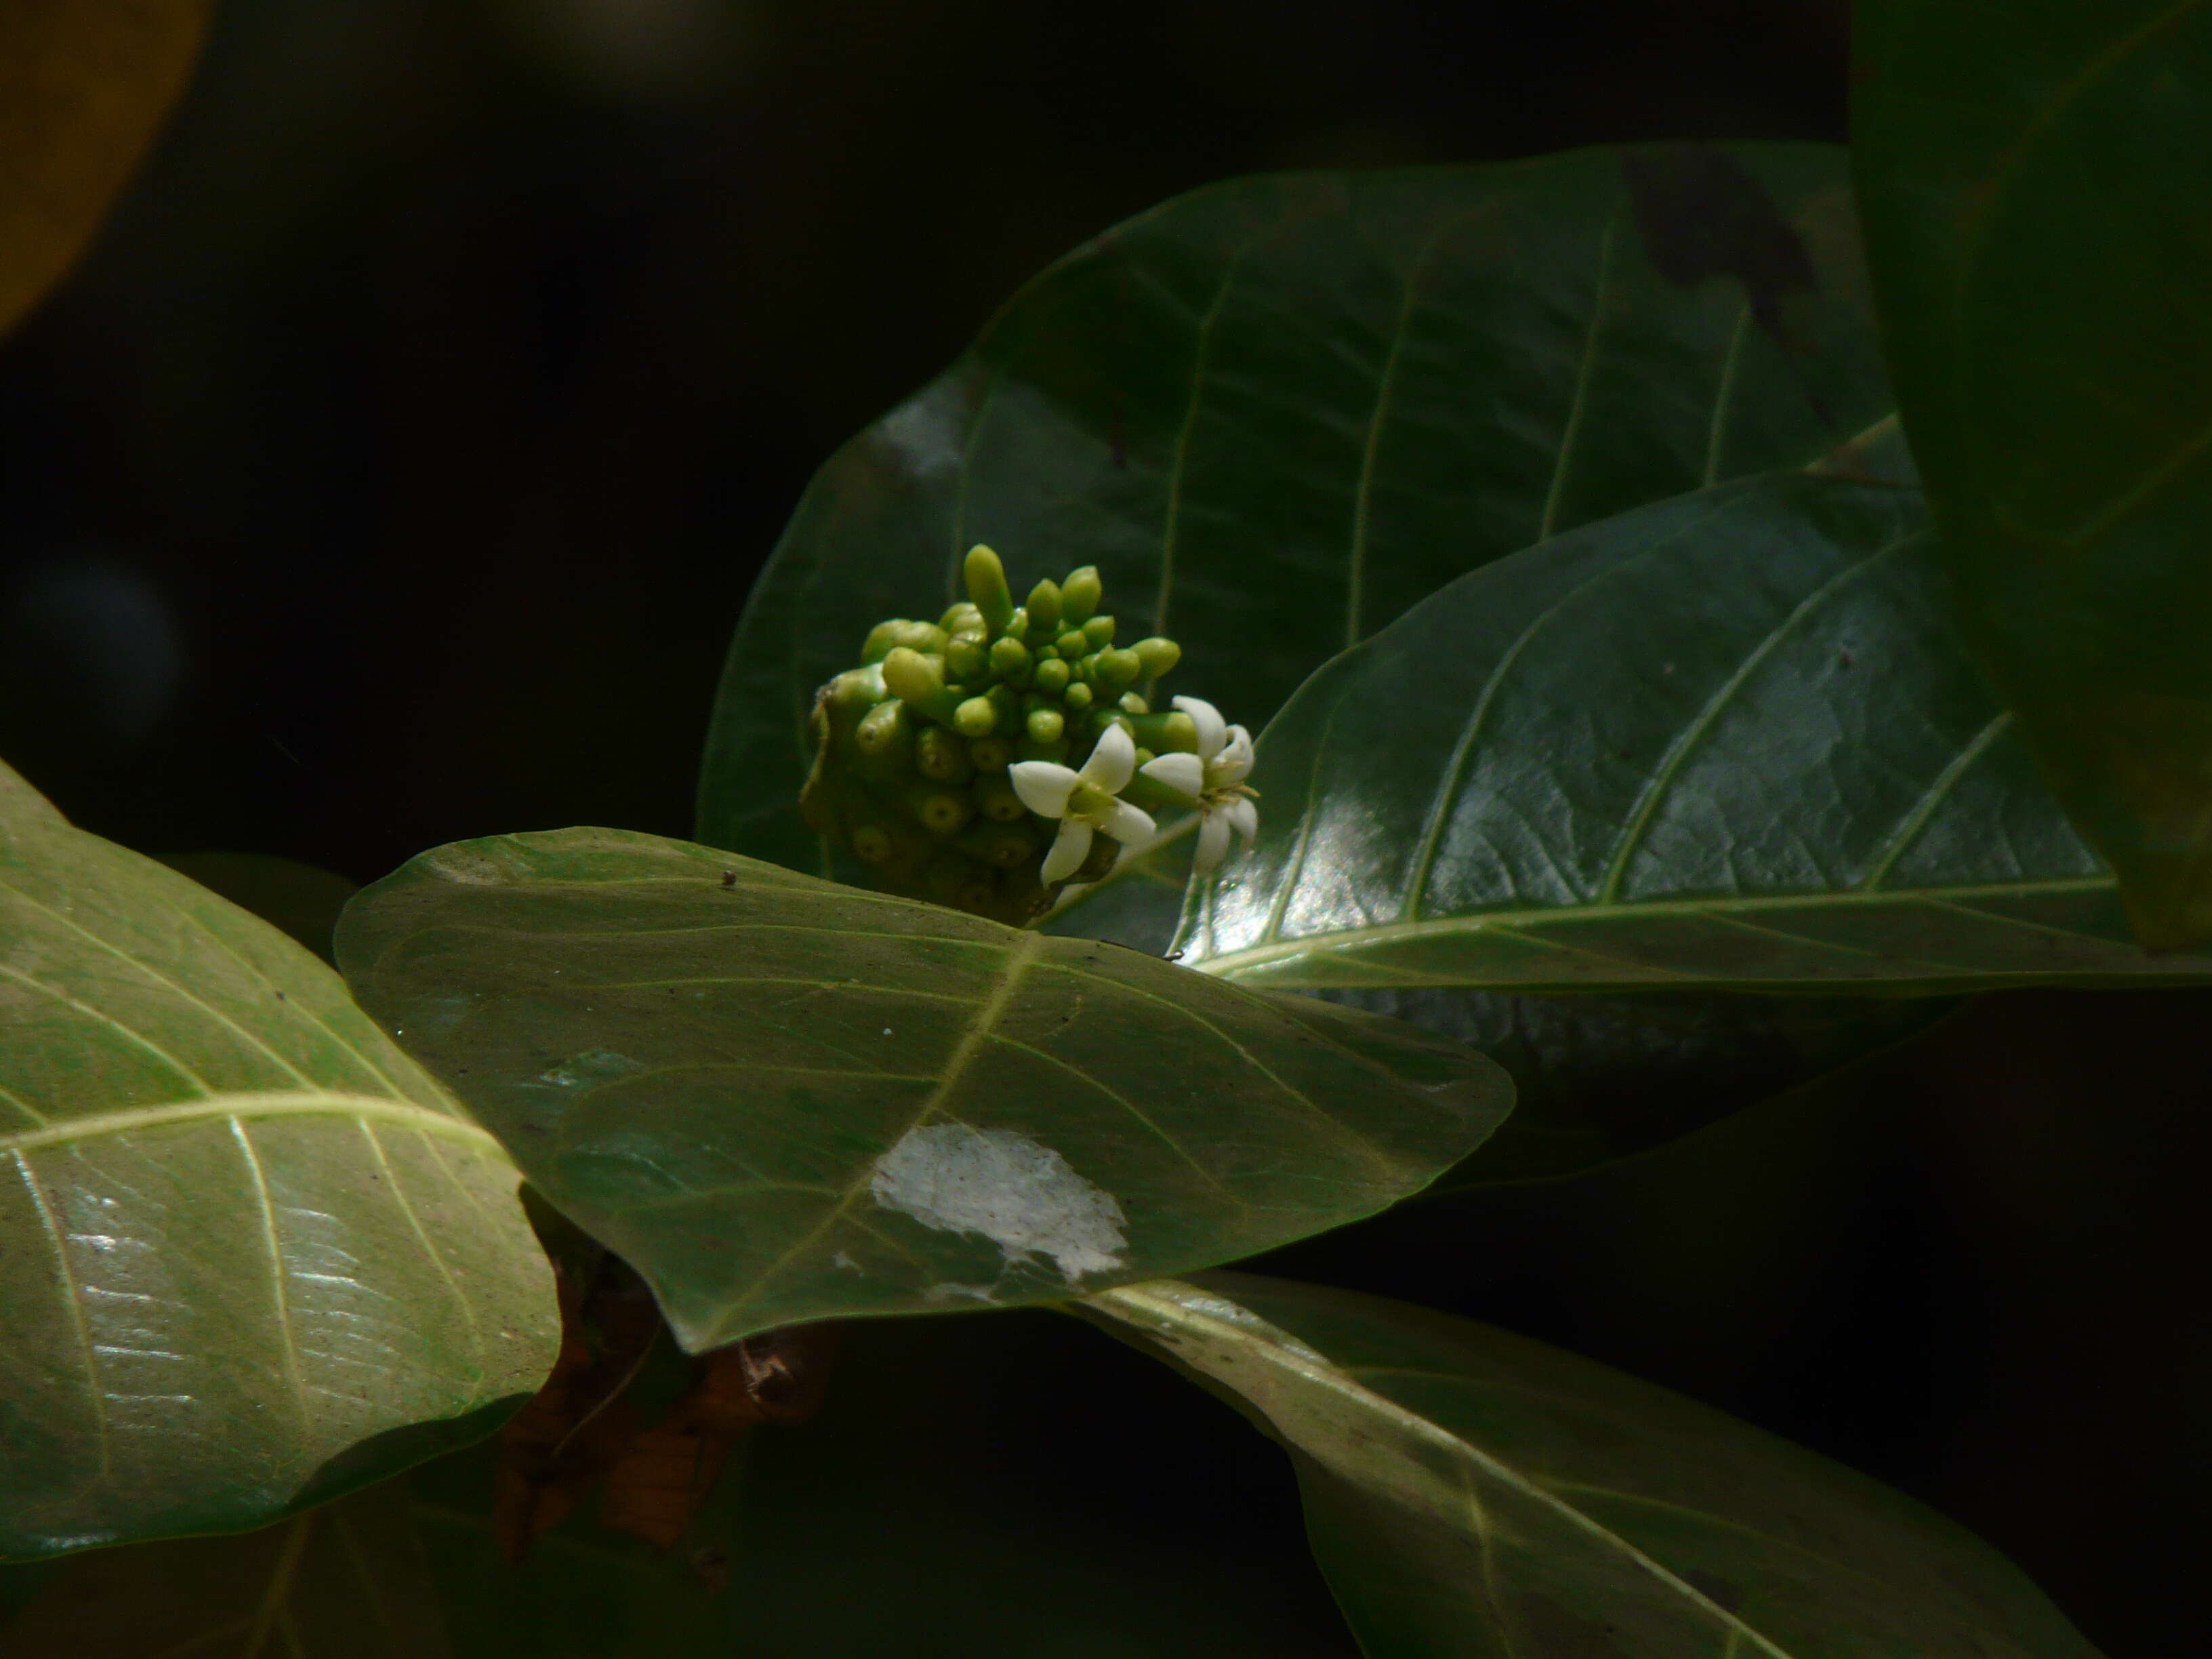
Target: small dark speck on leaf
pixel 730 876
pixel 1175 956
pixel 1701 213
pixel 281 997
pixel 1844 658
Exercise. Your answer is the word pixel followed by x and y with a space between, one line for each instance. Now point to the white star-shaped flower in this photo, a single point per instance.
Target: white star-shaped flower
pixel 1084 801
pixel 1213 778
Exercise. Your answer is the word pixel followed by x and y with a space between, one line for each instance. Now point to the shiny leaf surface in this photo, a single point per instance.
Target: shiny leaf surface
pixel 1470 1492
pixel 1278 411
pixel 780 1099
pixel 250 1254
pixel 1728 742
pixel 2042 241
pixel 84 85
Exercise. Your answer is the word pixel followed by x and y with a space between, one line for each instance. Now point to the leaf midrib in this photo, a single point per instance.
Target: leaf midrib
pixel 1232 962
pixel 359 1108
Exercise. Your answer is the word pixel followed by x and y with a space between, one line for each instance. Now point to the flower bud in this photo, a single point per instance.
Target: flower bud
pixel 1050 676
pixel 1018 625
pixel 1158 655
pixel 1173 732
pixel 1043 607
pixel 966 660
pixel 1131 703
pixel 1010 661
pixel 1117 668
pixel 1099 630
pixel 919 682
pixel 1071 645
pixel 884 740
pixel 940 811
pixel 1079 595
pixel 938 754
pixel 1044 725
pixel 975 717
pixel 995 754
pixel 1077 696
pixel 963 618
pixel 1001 845
pixel 987 586
pixel 886 636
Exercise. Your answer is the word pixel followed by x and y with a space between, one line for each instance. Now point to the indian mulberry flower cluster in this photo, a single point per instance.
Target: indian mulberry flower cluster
pixel 984 759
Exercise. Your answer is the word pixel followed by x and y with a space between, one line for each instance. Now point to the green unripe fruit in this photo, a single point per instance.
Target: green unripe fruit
pixel 987 586
pixel 1099 630
pixel 1010 661
pixel 975 717
pixel 853 693
pixel 1050 676
pixel 884 741
pixel 872 843
pixel 996 800
pixel 886 637
pixel 1045 724
pixel 938 754
pixel 941 811
pixel 1158 654
pixel 1172 732
pixel 1002 846
pixel 1077 696
pixel 1079 595
pixel 963 618
pixel 918 680
pixel 1043 607
pixel 1072 644
pixel 966 660
pixel 1118 667
pixel 991 754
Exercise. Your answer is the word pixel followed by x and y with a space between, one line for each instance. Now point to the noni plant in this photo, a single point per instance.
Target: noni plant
pixel 1692 648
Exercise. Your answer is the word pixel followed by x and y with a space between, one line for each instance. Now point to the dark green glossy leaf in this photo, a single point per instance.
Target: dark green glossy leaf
pixel 1727 742
pixel 1470 1492
pixel 2033 179
pixel 250 1254
pixel 780 1099
pixel 348 1581
pixel 1277 412
pixel 84 85
pixel 1597 1079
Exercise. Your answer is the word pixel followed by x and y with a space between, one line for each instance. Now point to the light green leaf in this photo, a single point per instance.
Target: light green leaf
pixel 1278 411
pixel 250 1254
pixel 780 1099
pixel 84 85
pixel 1727 742
pixel 1469 1492
pixel 2034 179
pixel 348 1581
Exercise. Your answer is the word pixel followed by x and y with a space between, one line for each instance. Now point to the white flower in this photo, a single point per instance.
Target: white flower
pixel 1084 801
pixel 1214 780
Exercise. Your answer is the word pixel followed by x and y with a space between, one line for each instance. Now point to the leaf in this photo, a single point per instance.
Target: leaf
pixel 348 1581
pixel 84 85
pixel 294 898
pixel 1278 411
pixel 1727 742
pixel 1599 1078
pixel 782 1100
pixel 1467 1490
pixel 2043 244
pixel 251 1255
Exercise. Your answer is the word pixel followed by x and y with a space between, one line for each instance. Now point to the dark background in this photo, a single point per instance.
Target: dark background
pixel 394 469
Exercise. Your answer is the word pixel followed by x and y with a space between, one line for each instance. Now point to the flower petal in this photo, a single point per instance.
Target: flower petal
pixel 1213 843
pixel 1069 848
pixel 1184 774
pixel 1211 733
pixel 1128 823
pixel 1234 762
pixel 1243 817
pixel 1044 786
pixel 1114 762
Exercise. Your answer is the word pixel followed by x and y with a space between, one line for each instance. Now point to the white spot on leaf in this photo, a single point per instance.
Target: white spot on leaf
pixel 1016 1193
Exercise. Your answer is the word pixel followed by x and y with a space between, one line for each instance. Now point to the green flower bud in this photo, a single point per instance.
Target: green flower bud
pixel 1099 630
pixel 975 717
pixel 871 843
pixel 918 681
pixel 1158 654
pixel 1045 725
pixel 987 585
pixel 1006 704
pixel 1131 703
pixel 1171 733
pixel 996 800
pixel 884 741
pixel 853 693
pixel 1117 668
pixel 1079 595
pixel 1050 676
pixel 963 618
pixel 1018 625
pixel 1078 697
pixel 1043 607
pixel 938 754
pixel 940 811
pixel 1009 661
pixel 966 660
pixel 996 754
pixel 886 637
pixel 1071 645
